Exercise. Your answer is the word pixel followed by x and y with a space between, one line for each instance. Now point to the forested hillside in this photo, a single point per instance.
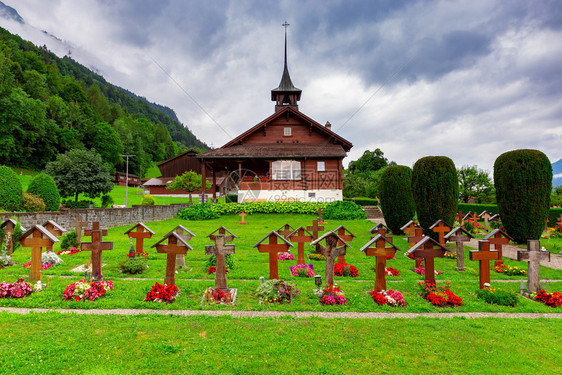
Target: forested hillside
pixel 49 105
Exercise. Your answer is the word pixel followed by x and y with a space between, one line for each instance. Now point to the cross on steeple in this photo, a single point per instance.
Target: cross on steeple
pixel 286 94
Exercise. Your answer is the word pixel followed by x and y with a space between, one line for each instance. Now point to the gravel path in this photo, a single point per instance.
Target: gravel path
pixel 293 314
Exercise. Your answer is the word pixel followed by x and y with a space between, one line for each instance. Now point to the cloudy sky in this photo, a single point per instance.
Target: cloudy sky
pixel 465 79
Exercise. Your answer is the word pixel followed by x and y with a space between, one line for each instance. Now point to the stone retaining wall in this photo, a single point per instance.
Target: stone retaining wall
pixel 107 217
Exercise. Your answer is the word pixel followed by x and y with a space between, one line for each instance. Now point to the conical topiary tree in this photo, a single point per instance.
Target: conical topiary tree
pixel 395 193
pixel 436 190
pixel 523 180
pixel 11 192
pixel 45 187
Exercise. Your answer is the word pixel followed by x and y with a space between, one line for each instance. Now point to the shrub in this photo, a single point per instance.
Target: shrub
pixel 231 198
pixel 497 296
pixel 277 291
pixel 106 200
pixel 435 189
pixel 198 212
pixel 45 187
pixel 212 262
pixel 344 210
pixel 523 180
pixel 397 201
pixel 69 241
pixel 32 203
pixel 134 265
pixel 268 207
pixel 316 256
pixel 148 200
pixel 11 192
pixel 68 203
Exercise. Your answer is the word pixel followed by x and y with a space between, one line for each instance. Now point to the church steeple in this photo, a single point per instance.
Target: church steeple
pixel 286 93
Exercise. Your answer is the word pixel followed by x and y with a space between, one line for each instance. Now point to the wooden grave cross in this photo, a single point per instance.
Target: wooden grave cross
pixel 285 230
pixel 96 246
pixel 345 235
pixel 320 212
pixel 187 235
pixel 176 245
pixel 380 228
pixel 78 225
pixel 459 235
pixel 381 251
pixel 534 255
pixel 410 228
pixel 315 228
pixel 272 247
pixel 242 215
pixel 484 255
pixel 486 216
pixel 55 229
pixel 498 238
pixel 300 236
pixel 36 238
pixel 441 227
pixel 330 251
pixel 413 240
pixel 474 220
pixel 428 249
pixel 8 227
pixel 459 218
pixel 220 249
pixel 141 232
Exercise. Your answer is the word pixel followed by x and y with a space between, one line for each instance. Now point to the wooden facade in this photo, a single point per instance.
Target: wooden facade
pixel 186 161
pixel 120 179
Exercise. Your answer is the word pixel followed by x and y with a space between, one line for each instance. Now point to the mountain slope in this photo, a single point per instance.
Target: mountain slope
pixel 557 173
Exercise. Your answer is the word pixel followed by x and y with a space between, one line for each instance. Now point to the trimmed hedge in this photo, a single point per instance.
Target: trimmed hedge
pixel 231 198
pixel 45 187
pixel 435 189
pixel 397 200
pixel 33 203
pixel 268 207
pixel 69 203
pixel 201 211
pixel 342 210
pixel 478 208
pixel 364 201
pixel 523 181
pixel 11 192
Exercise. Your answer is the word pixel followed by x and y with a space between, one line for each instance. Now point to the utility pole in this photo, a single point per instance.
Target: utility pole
pixel 127 178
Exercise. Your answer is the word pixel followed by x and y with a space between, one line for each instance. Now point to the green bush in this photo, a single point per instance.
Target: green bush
pixel 316 256
pixel 69 203
pixel 553 216
pixel 397 201
pixel 231 198
pixel 11 192
pixel 106 200
pixel 342 210
pixel 33 203
pixel 268 208
pixel 523 181
pixel 148 200
pixel 134 265
pixel 198 212
pixel 435 189
pixel 497 296
pixel 45 187
pixel 69 241
pixel 228 262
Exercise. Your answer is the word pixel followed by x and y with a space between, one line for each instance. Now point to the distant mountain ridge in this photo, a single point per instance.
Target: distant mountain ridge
pixel 10 13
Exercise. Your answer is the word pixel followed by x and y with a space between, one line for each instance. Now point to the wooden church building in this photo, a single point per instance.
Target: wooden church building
pixel 288 156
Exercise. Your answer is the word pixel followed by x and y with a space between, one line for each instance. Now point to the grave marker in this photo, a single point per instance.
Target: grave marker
pixel 330 251
pixel 474 220
pixel 220 231
pixel 410 228
pixel 459 235
pixel 381 251
pixel 459 218
pixel 176 245
pixel 320 212
pixel 428 249
pixel 285 230
pixel 441 227
pixel 345 235
pixel 486 216
pixel 467 216
pixel 96 247
pixel 300 236
pixel 533 255
pixel 242 214
pixel 141 232
pixel 36 238
pixel 55 229
pixel 484 255
pixel 498 238
pixel 78 225
pixel 380 228
pixel 187 235
pixel 272 247
pixel 413 240
pixel 315 228
pixel 8 226
pixel 220 250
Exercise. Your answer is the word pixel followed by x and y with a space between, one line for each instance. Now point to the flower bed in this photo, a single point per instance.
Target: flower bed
pixel 162 293
pixel 549 299
pixel 388 297
pixel 70 251
pixel 277 291
pixel 218 296
pixel 421 271
pixel 497 296
pixel 439 296
pixel 332 295
pixel 450 255
pixel 302 270
pixel 286 256
pixel 86 290
pixel 510 271
pixel 43 266
pixel 213 269
pixel 18 289
pixel 392 271
pixel 345 270
pixel 138 254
